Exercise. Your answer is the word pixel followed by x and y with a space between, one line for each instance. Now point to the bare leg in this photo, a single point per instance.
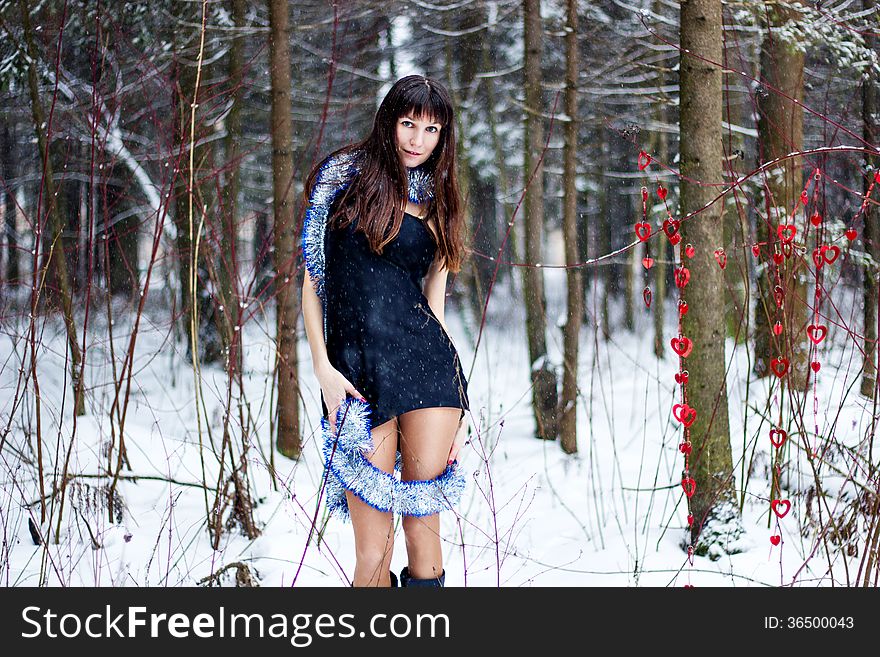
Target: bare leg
pixel 426 436
pixel 374 529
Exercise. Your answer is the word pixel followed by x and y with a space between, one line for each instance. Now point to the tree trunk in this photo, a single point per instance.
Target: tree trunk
pixel 603 237
pixel 121 243
pixel 713 505
pixel 575 293
pixel 288 438
pixel 57 260
pixel 544 393
pixel 781 131
pixel 9 210
pixel 658 248
pixel 871 235
pixel 193 289
pixel 736 227
pixel 227 264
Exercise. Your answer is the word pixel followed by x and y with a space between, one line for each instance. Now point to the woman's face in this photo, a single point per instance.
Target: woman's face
pixel 416 139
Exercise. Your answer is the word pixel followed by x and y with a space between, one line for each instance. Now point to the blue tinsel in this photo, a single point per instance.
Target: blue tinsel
pixel 334 176
pixel 345 457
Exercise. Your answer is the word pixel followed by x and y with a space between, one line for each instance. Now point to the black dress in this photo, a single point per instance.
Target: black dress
pixel 380 331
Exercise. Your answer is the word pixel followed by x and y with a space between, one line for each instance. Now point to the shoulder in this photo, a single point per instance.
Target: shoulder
pixel 339 168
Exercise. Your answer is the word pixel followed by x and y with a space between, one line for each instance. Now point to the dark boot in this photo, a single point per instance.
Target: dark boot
pixel 434 582
pixel 393 579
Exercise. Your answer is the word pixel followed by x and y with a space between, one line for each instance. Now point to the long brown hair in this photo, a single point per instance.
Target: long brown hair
pixel 377 195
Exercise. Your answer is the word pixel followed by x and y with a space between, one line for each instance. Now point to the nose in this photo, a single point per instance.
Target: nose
pixel 416 138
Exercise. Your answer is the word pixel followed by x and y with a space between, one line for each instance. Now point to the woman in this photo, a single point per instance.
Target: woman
pixel 382 230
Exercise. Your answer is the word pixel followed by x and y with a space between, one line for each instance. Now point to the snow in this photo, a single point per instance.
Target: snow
pixel 612 515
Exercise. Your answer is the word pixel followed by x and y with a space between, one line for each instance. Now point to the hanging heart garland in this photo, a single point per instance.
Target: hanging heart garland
pixel 670 227
pixel 817 332
pixel 685 414
pixel 779 366
pixel 689 486
pixel 780 507
pixel 682 276
pixel 786 232
pixel 778 437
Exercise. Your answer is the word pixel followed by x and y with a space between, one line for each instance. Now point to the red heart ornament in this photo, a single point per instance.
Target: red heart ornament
pixel 661 192
pixel 646 295
pixel 804 198
pixel 816 219
pixel 643 230
pixel 670 227
pixel 779 366
pixel 675 239
pixel 826 249
pixel 756 251
pixel 721 258
pixel 689 250
pixel 777 258
pixel 877 177
pixel 690 519
pixel 775 539
pixel 647 263
pixel 690 487
pixel 780 507
pixel 644 160
pixel 682 276
pixel 681 377
pixel 779 295
pixel 682 346
pixel 851 234
pixel 686 447
pixel 817 258
pixel 682 307
pixel 786 232
pixel 815 365
pixel 777 437
pixel 685 414
pixel 777 328
pixel 786 249
pixel 817 332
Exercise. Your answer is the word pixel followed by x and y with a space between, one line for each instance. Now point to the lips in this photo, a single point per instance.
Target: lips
pixel 410 153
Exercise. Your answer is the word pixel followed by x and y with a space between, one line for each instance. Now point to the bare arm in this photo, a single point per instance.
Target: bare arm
pixel 333 384
pixel 313 318
pixel 434 289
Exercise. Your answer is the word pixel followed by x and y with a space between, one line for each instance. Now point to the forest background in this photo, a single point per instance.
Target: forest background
pixel 668 311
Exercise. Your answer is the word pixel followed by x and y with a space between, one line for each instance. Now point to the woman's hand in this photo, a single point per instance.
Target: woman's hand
pixel 458 442
pixel 335 388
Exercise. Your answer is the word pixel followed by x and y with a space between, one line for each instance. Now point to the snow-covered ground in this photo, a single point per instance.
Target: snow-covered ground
pixel 613 515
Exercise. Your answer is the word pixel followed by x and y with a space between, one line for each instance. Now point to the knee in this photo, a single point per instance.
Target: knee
pixel 374 556
pixel 418 531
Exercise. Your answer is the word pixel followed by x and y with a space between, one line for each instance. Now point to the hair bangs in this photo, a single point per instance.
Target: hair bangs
pixel 426 102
